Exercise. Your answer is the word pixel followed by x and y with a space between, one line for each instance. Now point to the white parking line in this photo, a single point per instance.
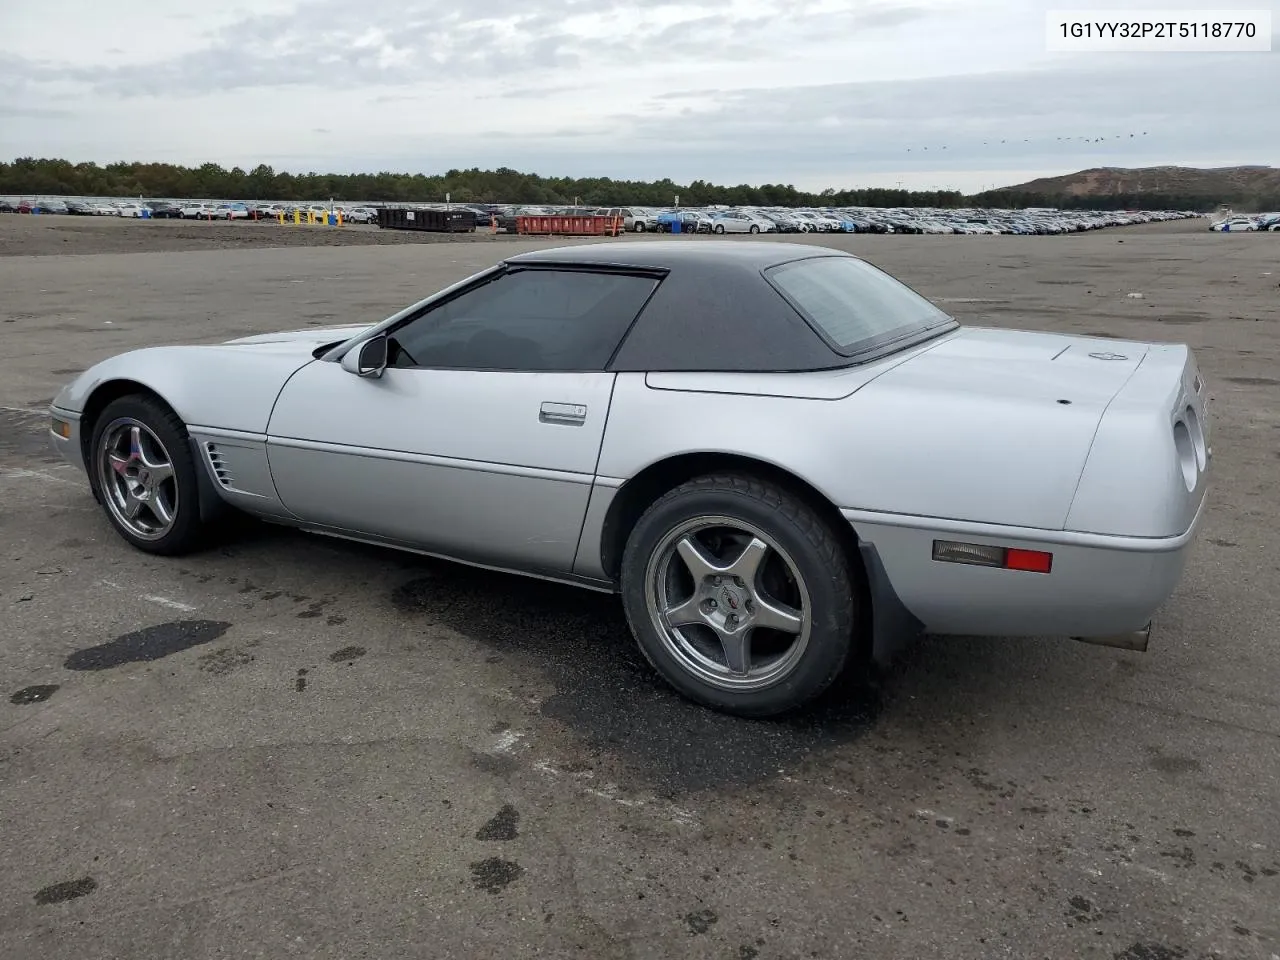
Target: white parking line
pixel 613 793
pixel 507 741
pixel 20 474
pixel 172 604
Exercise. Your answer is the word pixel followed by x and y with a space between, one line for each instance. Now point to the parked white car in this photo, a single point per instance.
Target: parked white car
pixel 736 222
pixel 197 210
pixel 820 222
pixel 1235 225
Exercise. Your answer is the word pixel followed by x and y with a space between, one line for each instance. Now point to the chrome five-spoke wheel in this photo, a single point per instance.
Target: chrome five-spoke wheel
pixel 728 603
pixel 742 594
pixel 137 479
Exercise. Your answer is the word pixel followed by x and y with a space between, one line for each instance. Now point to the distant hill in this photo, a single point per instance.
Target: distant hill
pixel 1180 188
pixel 1190 181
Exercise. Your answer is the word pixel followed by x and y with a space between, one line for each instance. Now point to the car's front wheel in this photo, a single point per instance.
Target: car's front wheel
pixel 143 472
pixel 740 595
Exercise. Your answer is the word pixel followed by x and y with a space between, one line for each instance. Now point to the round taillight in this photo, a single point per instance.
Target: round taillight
pixel 1197 436
pixel 1186 453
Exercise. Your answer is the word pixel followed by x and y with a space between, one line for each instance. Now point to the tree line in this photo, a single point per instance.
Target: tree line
pixel 32 176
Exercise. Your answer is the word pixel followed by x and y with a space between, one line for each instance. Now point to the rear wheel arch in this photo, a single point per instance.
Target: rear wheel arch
pixel 637 494
pixel 801 570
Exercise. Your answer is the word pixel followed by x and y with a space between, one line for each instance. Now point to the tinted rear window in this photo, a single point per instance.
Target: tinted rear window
pixel 852 304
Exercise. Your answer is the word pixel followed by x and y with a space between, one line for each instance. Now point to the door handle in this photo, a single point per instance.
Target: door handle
pixel 569 413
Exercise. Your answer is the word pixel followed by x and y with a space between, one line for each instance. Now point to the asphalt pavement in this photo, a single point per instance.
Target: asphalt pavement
pixel 290 746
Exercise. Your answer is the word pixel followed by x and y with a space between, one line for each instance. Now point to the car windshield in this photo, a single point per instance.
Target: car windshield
pixel 852 304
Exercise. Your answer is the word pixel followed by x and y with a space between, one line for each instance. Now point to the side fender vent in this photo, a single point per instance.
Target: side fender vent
pixel 221 469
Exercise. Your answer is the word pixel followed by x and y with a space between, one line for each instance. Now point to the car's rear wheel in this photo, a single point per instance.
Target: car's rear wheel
pixel 740 595
pixel 144 474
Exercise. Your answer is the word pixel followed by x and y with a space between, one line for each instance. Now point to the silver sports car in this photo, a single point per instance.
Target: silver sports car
pixel 782 458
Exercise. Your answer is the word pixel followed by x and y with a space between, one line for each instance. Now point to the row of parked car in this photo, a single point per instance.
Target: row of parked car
pixel 724 220
pixel 82 208
pixel 184 209
pixel 1235 223
pixel 712 220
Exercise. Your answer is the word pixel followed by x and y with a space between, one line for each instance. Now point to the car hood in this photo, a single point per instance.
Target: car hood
pixel 310 337
pixel 1022 365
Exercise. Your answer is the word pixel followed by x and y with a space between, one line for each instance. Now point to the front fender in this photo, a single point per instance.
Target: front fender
pixel 226 386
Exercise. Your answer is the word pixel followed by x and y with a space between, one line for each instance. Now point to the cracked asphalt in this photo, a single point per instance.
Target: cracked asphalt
pixel 288 746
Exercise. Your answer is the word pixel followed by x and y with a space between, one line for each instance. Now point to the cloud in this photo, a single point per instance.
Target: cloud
pixel 14 111
pixel 971 117
pixel 888 17
pixel 345 43
pixel 811 92
pixel 533 93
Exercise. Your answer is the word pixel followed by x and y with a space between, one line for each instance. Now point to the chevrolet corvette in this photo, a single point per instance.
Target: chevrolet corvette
pixel 783 459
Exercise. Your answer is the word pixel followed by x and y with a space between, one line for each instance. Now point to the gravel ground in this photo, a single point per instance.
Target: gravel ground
pixel 290 746
pixel 27 236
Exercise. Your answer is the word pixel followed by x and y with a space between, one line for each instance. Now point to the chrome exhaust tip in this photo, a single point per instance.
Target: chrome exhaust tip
pixel 1134 640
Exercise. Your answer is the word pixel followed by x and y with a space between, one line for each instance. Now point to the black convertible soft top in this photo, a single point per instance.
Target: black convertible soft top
pixel 713 311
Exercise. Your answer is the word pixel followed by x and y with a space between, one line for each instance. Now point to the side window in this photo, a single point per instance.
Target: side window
pixel 533 319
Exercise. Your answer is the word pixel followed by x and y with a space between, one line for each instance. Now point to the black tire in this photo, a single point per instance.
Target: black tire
pixel 808 547
pixel 719 228
pixel 186 532
pixel 754 228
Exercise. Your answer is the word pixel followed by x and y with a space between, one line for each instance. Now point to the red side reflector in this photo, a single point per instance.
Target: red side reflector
pixel 1032 561
pixel 986 555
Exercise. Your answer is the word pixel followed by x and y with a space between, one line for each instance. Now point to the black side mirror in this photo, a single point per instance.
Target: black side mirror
pixel 370 360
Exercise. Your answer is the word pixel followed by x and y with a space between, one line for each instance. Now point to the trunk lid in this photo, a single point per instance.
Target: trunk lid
pixel 1009 417
pixel 1027 365
pixel 1016 364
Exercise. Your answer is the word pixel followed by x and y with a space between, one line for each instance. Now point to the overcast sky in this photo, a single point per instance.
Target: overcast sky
pixel 928 93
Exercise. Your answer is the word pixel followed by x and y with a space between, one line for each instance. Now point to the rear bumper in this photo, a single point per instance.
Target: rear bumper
pixel 1099 586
